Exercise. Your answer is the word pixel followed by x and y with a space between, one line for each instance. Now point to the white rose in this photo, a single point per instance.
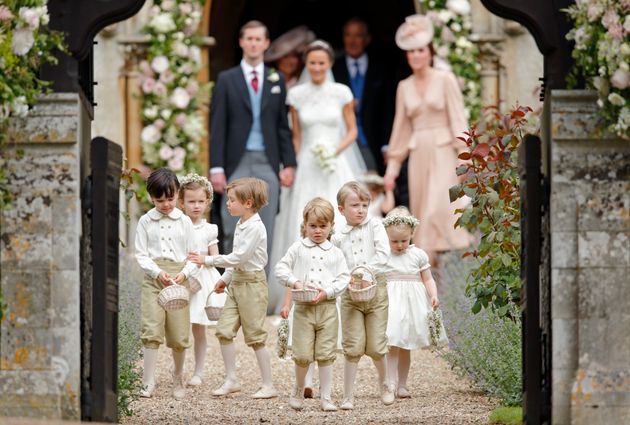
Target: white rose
pixel 176 164
pixel 445 15
pixel 165 152
pixel 624 115
pixel 179 152
pixel 273 77
pixel 30 16
pixel 193 127
pixel 616 100
pixel 180 98
pixel 178 35
pixel 626 24
pixel 620 79
pixel 22 41
pixel 180 49
pixel 166 113
pixel 20 107
pixel 150 134
pixel 456 27
pixel 151 113
pixel 159 64
pixel 624 66
pixel 167 5
pixel 461 7
pixel 163 23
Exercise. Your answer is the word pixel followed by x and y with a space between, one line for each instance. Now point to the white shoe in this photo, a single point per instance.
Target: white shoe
pixel 179 392
pixel 195 381
pixel 387 394
pixel 147 392
pixel 328 406
pixel 228 387
pixel 403 392
pixel 296 401
pixel 347 404
pixel 265 392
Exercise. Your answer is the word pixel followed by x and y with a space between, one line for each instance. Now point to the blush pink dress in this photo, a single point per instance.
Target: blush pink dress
pixel 425 130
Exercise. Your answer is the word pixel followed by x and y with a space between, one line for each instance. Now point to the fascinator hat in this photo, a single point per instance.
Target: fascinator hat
pixel 416 32
pixel 294 40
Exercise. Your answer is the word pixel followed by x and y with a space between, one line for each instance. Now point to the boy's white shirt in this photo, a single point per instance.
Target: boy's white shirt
pixel 365 244
pixel 164 237
pixel 249 251
pixel 324 264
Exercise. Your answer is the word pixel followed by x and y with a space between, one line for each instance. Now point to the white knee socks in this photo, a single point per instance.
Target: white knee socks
pixel 392 365
pixel 150 362
pixel 381 368
pixel 178 362
pixel 264 363
pixel 308 380
pixel 199 333
pixel 325 382
pixel 228 352
pixel 349 373
pixel 300 377
pixel 404 362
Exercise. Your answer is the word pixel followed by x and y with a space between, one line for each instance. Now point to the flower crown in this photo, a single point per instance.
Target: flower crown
pixel 196 178
pixel 397 220
pixel 374 179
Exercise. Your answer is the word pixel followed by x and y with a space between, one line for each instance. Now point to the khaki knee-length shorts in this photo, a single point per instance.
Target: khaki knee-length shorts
pixel 315 329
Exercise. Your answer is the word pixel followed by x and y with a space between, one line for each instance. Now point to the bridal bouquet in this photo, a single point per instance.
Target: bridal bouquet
pixel 325 157
pixel 283 338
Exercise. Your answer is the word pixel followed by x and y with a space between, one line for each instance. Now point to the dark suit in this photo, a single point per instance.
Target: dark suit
pixel 377 105
pixel 231 122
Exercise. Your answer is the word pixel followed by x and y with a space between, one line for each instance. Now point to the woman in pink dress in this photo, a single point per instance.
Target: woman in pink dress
pixel 429 118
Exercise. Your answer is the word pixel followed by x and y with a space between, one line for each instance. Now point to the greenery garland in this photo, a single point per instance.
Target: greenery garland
pixel 452 24
pixel 171 96
pixel 602 57
pixel 26 43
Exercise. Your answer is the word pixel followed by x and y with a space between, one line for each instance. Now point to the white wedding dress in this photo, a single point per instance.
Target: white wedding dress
pixel 320 112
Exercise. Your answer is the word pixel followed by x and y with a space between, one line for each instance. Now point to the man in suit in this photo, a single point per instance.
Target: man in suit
pixel 250 135
pixel 372 89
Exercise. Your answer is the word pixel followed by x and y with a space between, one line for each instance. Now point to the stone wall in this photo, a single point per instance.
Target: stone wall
pixel 40 349
pixel 590 261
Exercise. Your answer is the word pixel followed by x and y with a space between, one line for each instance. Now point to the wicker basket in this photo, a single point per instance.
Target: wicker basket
pixel 213 313
pixel 194 285
pixel 305 295
pixel 359 288
pixel 174 297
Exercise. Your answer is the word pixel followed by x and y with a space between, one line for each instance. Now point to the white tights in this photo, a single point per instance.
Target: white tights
pixel 201 345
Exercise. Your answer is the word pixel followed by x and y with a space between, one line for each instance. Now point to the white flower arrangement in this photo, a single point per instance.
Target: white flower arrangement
pixel 452 24
pixel 436 328
pixel 282 344
pixel 325 156
pixel 172 99
pixel 602 55
pixel 401 220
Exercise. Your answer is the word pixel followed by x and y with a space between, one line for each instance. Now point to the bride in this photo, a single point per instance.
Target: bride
pixel 324 134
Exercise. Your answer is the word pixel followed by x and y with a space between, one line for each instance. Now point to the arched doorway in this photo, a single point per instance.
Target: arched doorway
pixel 324 17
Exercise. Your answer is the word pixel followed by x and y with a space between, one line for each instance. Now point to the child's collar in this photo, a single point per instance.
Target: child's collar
pixel 348 228
pixel 154 214
pixel 326 245
pixel 244 224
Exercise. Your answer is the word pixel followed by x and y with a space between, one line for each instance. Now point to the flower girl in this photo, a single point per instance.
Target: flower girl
pixel 194 196
pixel 412 296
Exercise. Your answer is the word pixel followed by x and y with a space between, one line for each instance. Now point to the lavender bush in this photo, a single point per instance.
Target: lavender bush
pixel 129 346
pixel 483 347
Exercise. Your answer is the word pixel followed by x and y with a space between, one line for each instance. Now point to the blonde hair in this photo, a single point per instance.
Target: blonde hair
pixel 353 187
pixel 194 181
pixel 250 188
pixel 401 218
pixel 321 210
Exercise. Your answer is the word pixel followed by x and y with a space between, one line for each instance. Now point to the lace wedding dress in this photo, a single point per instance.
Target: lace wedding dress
pixel 320 111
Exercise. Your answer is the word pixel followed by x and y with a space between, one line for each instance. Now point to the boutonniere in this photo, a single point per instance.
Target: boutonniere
pixel 275 89
pixel 273 76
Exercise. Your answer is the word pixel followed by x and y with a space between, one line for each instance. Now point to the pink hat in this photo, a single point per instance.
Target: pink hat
pixel 294 40
pixel 416 32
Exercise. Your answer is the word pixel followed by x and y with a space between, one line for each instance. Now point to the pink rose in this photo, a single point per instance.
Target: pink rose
pixel 179 153
pixel 192 87
pixel 148 85
pixel 166 153
pixel 620 79
pixel 176 164
pixel 30 16
pixel 616 31
pixel 145 68
pixel 167 76
pixel 185 8
pixel 5 13
pixel 159 89
pixel 610 18
pixel 159 123
pixel 180 119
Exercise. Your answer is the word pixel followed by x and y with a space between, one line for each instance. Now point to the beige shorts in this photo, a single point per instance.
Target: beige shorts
pixel 315 329
pixel 246 306
pixel 364 324
pixel 158 323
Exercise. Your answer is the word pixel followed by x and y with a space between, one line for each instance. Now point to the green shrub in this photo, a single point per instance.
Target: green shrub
pixel 491 180
pixel 129 345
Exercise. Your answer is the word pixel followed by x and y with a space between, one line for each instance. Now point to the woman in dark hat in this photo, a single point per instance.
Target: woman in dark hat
pixel 285 53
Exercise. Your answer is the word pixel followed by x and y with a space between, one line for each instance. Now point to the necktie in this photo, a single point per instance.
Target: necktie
pixel 357 83
pixel 254 81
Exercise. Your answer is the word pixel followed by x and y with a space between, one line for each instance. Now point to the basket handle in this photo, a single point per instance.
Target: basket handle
pixel 369 270
pixel 208 298
pixel 174 283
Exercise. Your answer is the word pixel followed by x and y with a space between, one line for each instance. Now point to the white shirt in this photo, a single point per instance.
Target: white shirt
pixel 164 237
pixel 363 64
pixel 413 261
pixel 249 252
pixel 365 244
pixel 322 266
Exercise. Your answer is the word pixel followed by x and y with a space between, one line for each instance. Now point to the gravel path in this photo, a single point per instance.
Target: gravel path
pixel 439 396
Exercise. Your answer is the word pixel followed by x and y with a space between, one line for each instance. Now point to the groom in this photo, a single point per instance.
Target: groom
pixel 250 135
